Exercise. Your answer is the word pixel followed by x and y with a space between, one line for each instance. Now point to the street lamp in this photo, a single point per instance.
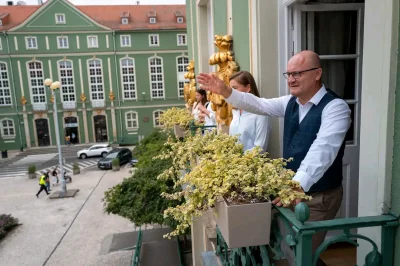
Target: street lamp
pixel 54 86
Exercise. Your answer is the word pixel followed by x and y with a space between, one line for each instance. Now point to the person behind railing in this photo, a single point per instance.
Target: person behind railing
pixel 201 100
pixel 208 114
pixel 253 129
pixel 316 121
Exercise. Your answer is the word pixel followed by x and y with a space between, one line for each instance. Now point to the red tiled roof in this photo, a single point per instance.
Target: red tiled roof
pixel 110 16
pixel 17 15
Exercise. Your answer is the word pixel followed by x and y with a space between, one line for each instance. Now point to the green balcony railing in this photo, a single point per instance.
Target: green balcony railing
pixel 299 239
pixel 193 127
pixel 138 247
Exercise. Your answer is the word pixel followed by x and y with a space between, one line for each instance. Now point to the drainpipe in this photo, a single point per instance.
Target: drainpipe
pixel 13 83
pixel 118 86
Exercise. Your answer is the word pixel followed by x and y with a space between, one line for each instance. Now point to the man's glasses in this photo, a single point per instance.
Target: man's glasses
pixel 297 74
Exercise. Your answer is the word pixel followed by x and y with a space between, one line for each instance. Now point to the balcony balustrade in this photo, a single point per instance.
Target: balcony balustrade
pixel 39 106
pixel 98 103
pixel 69 105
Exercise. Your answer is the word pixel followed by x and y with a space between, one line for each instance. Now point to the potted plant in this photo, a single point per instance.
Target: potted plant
pixel 235 184
pixel 32 171
pixel 115 164
pixel 177 119
pixel 76 170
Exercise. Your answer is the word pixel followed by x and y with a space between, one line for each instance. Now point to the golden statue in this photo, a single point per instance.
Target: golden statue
pixel 83 97
pixel 52 99
pixel 189 90
pixel 224 58
pixel 112 97
pixel 23 100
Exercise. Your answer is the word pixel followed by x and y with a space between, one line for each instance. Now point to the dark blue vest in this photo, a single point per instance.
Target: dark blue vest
pixel 298 138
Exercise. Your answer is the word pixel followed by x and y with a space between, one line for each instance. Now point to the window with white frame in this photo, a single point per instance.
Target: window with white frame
pixel 128 78
pixel 125 40
pixel 131 120
pixel 66 75
pixel 182 63
pixel 35 73
pixel 179 19
pixel 156 77
pixel 1 44
pixel 62 42
pixel 31 43
pixel 153 20
pixel 92 42
pixel 7 128
pixel 5 93
pixel 96 79
pixel 182 40
pixel 156 118
pixel 60 18
pixel 153 40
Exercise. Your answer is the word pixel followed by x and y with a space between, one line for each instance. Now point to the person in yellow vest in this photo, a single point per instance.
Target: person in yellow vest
pixel 42 184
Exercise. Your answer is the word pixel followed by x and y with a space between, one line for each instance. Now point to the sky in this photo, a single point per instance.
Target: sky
pixel 108 2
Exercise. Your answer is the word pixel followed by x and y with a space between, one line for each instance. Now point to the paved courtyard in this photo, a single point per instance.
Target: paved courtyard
pixel 61 231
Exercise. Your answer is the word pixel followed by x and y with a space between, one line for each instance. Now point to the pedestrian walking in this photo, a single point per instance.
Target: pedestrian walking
pixel 73 138
pixel 42 184
pixel 67 140
pixel 54 173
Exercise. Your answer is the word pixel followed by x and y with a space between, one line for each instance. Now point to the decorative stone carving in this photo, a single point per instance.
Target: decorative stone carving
pixel 52 99
pixel 224 58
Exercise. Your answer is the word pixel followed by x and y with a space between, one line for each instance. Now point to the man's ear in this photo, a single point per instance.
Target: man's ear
pixel 318 77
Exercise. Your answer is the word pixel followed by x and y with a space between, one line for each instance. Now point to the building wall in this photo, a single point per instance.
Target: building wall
pixel 110 52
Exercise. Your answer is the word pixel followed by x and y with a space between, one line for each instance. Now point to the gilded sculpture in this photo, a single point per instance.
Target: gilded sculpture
pixel 189 90
pixel 83 97
pixel 224 58
pixel 23 100
pixel 52 99
pixel 111 96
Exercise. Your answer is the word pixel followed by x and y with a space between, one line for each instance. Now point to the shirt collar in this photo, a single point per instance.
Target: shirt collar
pixel 317 97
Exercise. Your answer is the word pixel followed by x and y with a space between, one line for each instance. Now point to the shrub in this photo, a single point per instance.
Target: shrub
pixel 7 223
pixel 138 197
pixel 115 162
pixel 32 169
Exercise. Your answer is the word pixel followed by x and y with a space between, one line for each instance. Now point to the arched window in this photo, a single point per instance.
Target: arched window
pixel 36 78
pixel 128 78
pixel 131 120
pixel 156 77
pixel 7 128
pixel 181 63
pixel 96 79
pixel 66 75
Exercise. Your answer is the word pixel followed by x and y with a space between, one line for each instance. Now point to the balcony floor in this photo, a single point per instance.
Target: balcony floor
pixel 341 254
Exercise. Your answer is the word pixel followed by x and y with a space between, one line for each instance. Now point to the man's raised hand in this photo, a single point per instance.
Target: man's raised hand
pixel 212 83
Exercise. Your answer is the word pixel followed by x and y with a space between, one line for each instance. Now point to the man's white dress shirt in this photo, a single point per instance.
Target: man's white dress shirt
pixel 253 129
pixel 335 121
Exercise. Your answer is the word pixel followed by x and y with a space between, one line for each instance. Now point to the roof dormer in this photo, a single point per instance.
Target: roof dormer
pixel 125 18
pixel 4 18
pixel 152 17
pixel 179 17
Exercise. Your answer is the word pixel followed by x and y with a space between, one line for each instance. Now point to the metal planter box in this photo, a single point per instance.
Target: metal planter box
pixel 244 225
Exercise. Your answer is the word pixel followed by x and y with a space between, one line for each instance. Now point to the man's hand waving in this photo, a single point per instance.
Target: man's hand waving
pixel 212 83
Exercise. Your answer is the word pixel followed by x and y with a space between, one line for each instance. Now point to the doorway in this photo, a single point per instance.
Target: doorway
pixel 100 128
pixel 335 32
pixel 71 129
pixel 42 132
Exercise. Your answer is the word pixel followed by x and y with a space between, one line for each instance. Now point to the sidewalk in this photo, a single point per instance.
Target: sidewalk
pixel 10 155
pixel 80 221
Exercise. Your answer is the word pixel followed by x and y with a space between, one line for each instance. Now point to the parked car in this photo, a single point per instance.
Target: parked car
pixel 124 155
pixel 95 150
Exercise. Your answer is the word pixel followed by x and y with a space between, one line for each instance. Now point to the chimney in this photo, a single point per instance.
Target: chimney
pixel 10 3
pixel 138 2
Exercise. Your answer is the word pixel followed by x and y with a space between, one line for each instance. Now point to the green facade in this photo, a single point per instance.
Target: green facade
pixel 16 58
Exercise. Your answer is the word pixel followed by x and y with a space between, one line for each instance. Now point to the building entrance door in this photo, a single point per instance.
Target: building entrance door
pixel 71 129
pixel 335 31
pixel 100 128
pixel 42 132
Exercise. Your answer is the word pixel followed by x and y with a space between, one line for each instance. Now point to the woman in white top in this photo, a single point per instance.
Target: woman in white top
pixel 208 113
pixel 201 100
pixel 253 130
